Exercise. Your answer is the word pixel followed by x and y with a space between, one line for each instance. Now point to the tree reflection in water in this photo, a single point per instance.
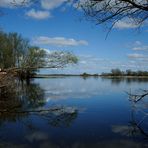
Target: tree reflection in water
pixel 27 98
pixel 62 117
pixel 119 80
pixel 21 97
pixel 138 124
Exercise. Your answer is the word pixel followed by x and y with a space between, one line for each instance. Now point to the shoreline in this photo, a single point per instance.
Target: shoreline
pixel 81 75
pixel 84 76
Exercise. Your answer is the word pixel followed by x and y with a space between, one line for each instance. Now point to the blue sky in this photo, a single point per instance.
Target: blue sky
pixel 56 25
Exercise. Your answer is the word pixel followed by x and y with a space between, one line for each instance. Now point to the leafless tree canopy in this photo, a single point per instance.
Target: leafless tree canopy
pixel 111 11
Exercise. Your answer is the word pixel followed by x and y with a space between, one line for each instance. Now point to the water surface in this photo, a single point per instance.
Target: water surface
pixel 93 112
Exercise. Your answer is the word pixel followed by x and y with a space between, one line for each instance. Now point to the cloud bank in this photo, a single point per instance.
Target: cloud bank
pixel 136 55
pixel 58 41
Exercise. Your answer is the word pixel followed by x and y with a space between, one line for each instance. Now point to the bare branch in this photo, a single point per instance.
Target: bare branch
pixel 111 11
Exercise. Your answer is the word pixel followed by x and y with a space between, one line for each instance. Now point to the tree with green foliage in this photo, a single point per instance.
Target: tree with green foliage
pixel 16 53
pixel 116 72
pixel 59 59
pixel 31 61
pixel 12 47
pixel 128 72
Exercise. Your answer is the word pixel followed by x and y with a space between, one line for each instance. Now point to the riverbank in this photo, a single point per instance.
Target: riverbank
pixel 53 75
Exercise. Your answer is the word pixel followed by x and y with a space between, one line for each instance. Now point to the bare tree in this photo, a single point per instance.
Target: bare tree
pixel 111 11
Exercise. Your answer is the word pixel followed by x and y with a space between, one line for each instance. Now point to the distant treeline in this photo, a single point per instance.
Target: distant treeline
pixel 118 72
pixel 87 74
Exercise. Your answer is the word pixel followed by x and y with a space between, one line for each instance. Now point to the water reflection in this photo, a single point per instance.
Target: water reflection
pixel 63 118
pixel 76 87
pixel 50 113
pixel 49 144
pixel 137 127
pixel 118 80
pixel 29 98
pixel 23 96
pixel 104 144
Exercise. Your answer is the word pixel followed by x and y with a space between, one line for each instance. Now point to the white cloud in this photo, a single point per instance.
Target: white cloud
pixel 51 4
pixel 39 15
pixel 139 46
pixel 58 41
pixel 124 24
pixel 11 4
pixel 136 55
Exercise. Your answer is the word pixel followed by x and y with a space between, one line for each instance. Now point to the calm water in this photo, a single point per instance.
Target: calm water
pixel 91 112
